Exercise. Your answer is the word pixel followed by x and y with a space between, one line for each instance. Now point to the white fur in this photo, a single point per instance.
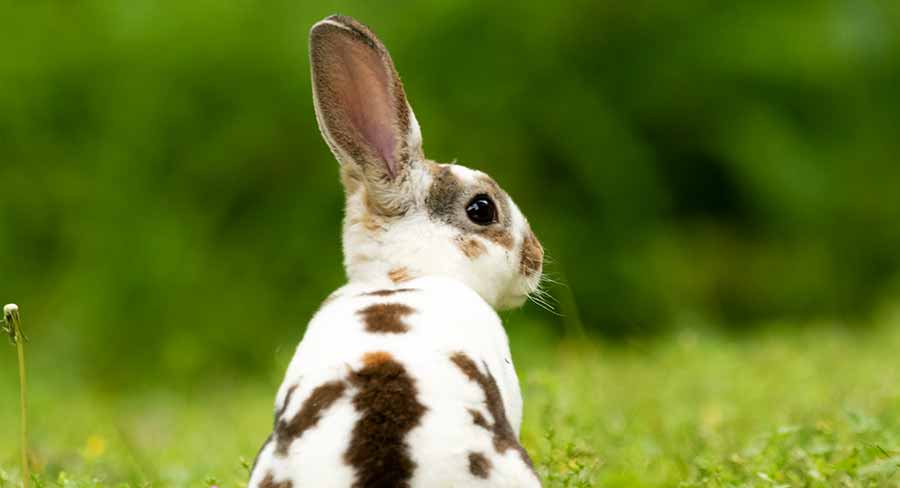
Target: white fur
pixel 425 247
pixel 454 296
pixel 449 318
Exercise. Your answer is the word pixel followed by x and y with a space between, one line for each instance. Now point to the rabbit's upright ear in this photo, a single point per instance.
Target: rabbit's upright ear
pixel 360 105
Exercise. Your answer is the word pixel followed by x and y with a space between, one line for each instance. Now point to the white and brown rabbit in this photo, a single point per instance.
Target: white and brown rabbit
pixel 404 376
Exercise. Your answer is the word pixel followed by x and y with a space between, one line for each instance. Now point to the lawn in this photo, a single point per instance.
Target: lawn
pixel 814 407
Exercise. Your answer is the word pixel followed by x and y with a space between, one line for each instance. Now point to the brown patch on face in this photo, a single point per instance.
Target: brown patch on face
pixel 399 275
pixel 386 317
pixel 386 400
pixel 532 255
pixel 448 196
pixel 322 398
pixel 388 292
pixel 479 465
pixel 470 247
pixel 504 437
pixel 444 195
pixel 500 235
pixel 269 482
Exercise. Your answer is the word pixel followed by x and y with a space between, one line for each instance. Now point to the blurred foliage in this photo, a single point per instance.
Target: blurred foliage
pixel 166 198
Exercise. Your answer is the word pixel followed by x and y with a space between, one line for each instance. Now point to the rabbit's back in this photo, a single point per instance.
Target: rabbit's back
pixel 409 385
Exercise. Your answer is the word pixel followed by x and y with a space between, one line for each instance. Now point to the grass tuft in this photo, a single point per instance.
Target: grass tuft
pixel 13 327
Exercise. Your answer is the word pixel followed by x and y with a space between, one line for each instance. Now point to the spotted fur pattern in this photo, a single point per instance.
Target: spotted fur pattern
pixel 437 405
pixel 404 377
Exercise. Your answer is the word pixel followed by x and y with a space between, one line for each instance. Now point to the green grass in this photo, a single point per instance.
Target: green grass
pixel 817 408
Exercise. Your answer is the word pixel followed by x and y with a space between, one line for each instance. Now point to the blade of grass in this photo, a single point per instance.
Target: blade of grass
pixel 11 316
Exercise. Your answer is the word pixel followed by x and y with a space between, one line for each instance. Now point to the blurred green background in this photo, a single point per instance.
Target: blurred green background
pixel 168 208
pixel 716 184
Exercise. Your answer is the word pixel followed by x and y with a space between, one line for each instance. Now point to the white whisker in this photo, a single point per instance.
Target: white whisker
pixel 539 298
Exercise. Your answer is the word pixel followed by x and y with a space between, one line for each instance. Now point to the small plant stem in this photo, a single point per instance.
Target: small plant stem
pixel 23 392
pixel 11 314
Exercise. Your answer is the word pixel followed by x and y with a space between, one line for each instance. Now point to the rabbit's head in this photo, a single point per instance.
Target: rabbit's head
pixel 407 216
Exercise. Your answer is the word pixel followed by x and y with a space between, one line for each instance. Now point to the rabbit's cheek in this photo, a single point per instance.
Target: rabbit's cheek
pixel 471 247
pixel 500 236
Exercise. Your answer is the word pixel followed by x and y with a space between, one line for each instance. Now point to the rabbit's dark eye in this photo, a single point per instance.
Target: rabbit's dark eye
pixel 481 210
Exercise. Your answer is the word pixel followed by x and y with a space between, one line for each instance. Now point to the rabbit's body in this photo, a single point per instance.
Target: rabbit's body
pixel 404 378
pixel 429 419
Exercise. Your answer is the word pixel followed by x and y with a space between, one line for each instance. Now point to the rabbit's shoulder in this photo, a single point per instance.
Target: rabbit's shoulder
pixel 420 322
pixel 430 310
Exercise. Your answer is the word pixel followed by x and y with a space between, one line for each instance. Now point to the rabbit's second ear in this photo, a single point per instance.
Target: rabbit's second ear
pixel 360 103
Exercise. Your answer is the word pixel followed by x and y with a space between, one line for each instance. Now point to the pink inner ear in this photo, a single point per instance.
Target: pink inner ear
pixel 361 84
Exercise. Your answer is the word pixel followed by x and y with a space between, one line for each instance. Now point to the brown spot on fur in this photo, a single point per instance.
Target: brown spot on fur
pixel 269 482
pixel 399 275
pixel 444 195
pixel 309 415
pixel 503 436
pixel 470 247
pixel 478 419
pixel 532 255
pixel 371 359
pixel 386 400
pixel 499 235
pixel 386 317
pixel 479 465
pixel 388 292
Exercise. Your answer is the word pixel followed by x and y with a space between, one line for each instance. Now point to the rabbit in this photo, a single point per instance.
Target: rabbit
pixel 403 377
